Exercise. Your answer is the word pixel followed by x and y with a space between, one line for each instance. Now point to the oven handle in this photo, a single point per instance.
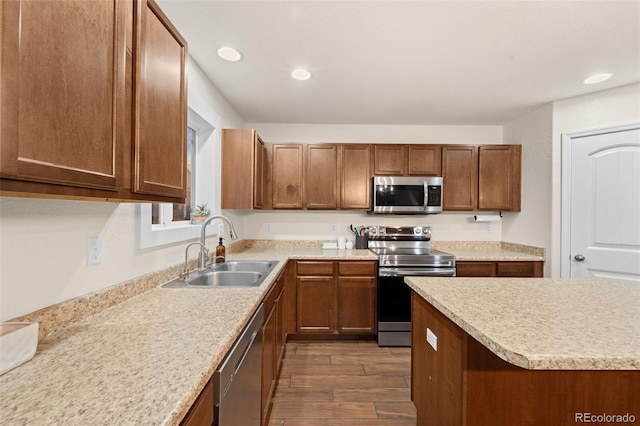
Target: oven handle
pixel 400 272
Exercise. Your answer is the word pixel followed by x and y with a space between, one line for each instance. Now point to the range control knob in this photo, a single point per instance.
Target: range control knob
pixel 417 231
pixel 426 230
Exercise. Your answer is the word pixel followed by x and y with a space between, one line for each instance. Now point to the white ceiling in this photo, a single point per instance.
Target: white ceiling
pixel 408 62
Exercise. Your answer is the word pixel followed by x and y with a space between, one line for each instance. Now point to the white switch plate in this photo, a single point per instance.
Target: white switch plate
pixel 267 227
pixel 432 339
pixel 94 251
pixel 333 228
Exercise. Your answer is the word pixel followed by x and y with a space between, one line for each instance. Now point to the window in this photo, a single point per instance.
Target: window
pixel 166 223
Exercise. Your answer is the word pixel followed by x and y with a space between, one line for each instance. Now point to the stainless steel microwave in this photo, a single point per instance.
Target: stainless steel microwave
pixel 406 195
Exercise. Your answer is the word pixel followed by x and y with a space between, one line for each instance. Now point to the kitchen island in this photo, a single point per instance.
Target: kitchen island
pixel 525 351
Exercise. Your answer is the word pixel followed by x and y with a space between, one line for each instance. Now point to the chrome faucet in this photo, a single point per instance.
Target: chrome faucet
pixel 203 257
pixel 185 271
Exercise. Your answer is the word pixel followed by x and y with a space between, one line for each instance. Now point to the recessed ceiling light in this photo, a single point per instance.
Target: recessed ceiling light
pixel 229 54
pixel 301 74
pixel 597 78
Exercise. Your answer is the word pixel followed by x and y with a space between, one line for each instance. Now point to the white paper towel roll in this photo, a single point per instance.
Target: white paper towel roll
pixel 487 218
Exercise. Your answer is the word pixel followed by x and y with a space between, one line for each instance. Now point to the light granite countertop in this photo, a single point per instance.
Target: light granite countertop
pixel 142 361
pixel 541 323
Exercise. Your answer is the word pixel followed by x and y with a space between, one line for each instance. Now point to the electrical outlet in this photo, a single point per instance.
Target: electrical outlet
pixel 333 228
pixel 267 227
pixel 488 228
pixel 94 251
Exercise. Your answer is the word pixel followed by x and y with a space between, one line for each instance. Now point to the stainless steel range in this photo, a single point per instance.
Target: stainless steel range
pixel 403 251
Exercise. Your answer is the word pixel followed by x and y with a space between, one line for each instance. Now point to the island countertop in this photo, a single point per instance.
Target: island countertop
pixel 542 323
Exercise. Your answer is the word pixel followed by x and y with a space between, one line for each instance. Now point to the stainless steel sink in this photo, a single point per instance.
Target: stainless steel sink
pixel 237 273
pixel 227 279
pixel 245 265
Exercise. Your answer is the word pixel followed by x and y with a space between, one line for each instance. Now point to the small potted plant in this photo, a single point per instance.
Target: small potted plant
pixel 200 214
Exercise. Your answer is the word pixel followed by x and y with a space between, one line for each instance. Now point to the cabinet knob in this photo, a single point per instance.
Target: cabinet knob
pixel 579 258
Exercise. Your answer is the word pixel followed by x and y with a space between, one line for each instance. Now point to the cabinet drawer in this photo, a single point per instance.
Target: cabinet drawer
pixel 357 268
pixel 516 269
pixel 475 269
pixel 315 268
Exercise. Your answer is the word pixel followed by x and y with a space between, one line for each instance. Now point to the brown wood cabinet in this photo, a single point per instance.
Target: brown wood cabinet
pixel 334 298
pixel 407 160
pixel 273 341
pixel 463 383
pixel 160 105
pixel 287 176
pixel 499 175
pixel 69 96
pixel 460 177
pixel 321 176
pixel 201 412
pixel 485 177
pixel 532 269
pixel 243 164
pixel 389 160
pixel 355 176
pixel 424 160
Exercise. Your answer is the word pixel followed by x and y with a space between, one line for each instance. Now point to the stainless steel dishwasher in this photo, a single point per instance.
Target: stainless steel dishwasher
pixel 238 380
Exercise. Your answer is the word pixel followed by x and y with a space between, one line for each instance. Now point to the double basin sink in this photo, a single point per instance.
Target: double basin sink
pixel 236 273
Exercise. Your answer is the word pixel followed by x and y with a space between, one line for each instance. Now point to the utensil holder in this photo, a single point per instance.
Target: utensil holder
pixel 362 242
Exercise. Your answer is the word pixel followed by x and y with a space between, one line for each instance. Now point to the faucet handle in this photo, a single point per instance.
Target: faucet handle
pixel 184 274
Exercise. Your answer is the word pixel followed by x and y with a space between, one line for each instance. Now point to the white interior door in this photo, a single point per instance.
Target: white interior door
pixel 605 205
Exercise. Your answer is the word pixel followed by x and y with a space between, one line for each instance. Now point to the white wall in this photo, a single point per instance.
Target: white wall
pixel 532 226
pixel 599 110
pixel 43 243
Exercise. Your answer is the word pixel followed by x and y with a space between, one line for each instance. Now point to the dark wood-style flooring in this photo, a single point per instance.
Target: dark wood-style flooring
pixel 343 383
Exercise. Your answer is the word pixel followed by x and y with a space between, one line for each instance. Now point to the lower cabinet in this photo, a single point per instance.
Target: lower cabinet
pixel 525 269
pixel 201 412
pixel 273 341
pixel 334 298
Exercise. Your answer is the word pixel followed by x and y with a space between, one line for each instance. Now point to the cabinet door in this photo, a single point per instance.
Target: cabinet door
pixel 315 301
pixel 499 169
pixel 321 176
pixel 201 412
pixel 356 304
pixel 355 173
pixel 287 176
pixel 160 130
pixel 63 92
pixel 460 173
pixel 258 171
pixel 425 160
pixel 390 160
pixel 269 330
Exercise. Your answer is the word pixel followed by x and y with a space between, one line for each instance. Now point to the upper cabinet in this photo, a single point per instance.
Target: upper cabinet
pixel 355 176
pixel 424 160
pixel 287 175
pixel 460 177
pixel 73 94
pixel 321 176
pixel 243 158
pixel 160 99
pixel 485 177
pixel 389 160
pixel 499 177
pixel 407 160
